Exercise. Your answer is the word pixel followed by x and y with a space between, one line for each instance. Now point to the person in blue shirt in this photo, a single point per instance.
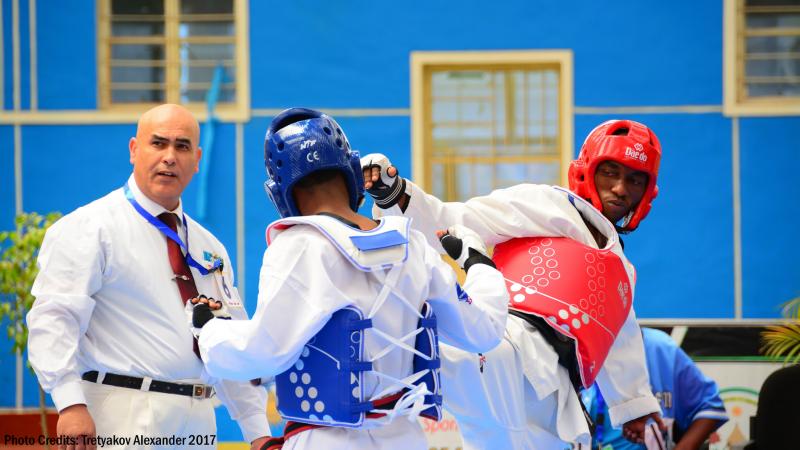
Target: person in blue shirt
pixel 689 400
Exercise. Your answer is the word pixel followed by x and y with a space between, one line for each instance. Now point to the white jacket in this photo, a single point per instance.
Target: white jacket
pixel 528 210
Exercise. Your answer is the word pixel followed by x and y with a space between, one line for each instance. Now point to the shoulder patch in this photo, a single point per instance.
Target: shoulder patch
pixel 386 239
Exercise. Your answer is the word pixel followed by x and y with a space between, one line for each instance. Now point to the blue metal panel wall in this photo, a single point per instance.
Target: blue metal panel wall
pixel 357 55
pixel 258 211
pixel 221 196
pixel 8 370
pixel 8 71
pixel 7 189
pixel 66 166
pixel 7 211
pixel 67 54
pixel 24 55
pixel 770 218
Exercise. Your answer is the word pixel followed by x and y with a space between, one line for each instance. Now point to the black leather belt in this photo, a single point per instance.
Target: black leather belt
pixel 189 390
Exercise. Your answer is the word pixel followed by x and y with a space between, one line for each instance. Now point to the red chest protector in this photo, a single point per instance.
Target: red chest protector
pixel 580 291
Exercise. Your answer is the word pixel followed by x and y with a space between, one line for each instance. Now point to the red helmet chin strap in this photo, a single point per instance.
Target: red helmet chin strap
pixel 629 143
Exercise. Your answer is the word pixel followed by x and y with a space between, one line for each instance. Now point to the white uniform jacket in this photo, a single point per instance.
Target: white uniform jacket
pixel 106 301
pixel 528 210
pixel 305 279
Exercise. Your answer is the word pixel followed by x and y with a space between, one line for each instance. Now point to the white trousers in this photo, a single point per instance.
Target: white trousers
pixel 515 396
pixel 400 434
pixel 136 418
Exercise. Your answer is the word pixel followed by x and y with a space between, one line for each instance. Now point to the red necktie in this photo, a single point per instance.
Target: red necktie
pixel 183 276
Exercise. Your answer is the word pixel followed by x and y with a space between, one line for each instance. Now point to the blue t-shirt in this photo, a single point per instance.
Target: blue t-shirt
pixel 685 394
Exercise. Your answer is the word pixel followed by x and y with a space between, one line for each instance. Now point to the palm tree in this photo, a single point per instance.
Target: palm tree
pixel 783 341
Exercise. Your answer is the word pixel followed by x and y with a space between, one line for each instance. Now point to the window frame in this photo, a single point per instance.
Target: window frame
pixel 239 110
pixel 423 64
pixel 735 102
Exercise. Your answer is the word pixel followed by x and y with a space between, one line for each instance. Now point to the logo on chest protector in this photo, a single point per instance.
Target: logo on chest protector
pixel 622 289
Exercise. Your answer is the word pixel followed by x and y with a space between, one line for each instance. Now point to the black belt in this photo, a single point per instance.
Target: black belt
pixel 189 390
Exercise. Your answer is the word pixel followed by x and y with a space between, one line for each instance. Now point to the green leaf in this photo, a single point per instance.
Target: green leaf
pixel 791 309
pixel 782 341
pixel 19 249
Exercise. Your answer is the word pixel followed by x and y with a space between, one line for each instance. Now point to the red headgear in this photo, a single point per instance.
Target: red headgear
pixel 629 143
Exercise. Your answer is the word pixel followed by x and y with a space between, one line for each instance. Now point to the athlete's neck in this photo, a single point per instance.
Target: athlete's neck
pixel 349 217
pixel 599 238
pixel 330 197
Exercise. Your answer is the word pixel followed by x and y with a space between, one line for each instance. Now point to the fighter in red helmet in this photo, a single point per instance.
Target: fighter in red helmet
pixel 571 291
pixel 613 146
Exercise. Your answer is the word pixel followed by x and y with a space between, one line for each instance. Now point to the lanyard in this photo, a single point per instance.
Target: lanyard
pixel 167 231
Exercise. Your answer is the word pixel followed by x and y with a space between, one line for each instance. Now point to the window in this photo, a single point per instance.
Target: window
pixel 762 40
pixel 487 120
pixel 155 51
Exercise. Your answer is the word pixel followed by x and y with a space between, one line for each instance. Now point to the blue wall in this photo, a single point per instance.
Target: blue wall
pixel 770 219
pixel 8 73
pixel 356 55
pixel 67 50
pixel 7 189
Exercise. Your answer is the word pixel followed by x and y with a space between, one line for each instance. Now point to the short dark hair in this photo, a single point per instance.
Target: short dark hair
pixel 318 177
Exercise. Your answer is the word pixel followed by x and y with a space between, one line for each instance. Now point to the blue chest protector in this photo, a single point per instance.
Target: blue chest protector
pixel 428 344
pixel 325 385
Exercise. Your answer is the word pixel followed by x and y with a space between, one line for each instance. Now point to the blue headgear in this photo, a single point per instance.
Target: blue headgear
pixel 300 141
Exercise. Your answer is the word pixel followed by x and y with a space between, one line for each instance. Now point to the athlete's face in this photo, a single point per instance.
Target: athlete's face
pixel 620 189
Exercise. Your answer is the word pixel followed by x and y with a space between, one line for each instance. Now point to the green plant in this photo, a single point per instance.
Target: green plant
pixel 18 270
pixel 20 248
pixel 783 341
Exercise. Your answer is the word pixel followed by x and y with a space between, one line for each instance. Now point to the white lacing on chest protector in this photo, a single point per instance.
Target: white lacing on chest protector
pixel 412 402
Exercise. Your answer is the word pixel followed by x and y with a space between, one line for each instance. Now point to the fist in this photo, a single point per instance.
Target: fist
pixel 634 430
pixel 464 246
pixel 201 309
pixel 381 180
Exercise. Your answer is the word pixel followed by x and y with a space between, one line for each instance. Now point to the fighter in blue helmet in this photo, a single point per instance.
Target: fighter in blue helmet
pixel 300 142
pixel 350 310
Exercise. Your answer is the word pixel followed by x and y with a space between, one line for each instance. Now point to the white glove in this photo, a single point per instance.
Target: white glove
pixel 465 247
pixel 386 190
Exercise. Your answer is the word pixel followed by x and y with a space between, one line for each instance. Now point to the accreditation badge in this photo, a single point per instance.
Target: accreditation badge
pixel 220 272
pixel 226 290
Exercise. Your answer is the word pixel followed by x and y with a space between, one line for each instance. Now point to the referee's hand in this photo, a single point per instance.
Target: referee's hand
pixel 75 424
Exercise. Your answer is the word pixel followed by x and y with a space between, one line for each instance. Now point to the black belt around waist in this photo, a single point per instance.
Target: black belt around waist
pixel 189 390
